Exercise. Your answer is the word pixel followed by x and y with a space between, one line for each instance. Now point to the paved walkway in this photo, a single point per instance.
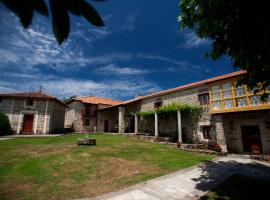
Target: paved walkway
pixel 30 136
pixel 190 183
pixel 4 138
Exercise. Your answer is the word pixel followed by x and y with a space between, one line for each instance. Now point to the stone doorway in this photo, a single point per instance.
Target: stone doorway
pixel 251 139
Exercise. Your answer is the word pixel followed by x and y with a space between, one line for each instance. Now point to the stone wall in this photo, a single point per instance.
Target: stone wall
pixel 74 119
pixel 112 116
pixel 42 111
pixel 189 96
pixel 58 117
pixel 168 124
pixel 233 131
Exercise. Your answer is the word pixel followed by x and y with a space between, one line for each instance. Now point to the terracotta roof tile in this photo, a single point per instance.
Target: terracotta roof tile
pixel 28 94
pixel 36 95
pixel 97 100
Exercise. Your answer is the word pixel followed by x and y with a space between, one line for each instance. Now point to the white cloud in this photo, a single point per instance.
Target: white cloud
pixel 175 65
pixel 193 41
pixel 37 46
pixel 116 70
pixel 117 89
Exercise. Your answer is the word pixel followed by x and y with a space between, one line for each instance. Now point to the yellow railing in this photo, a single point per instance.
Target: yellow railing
pixel 226 97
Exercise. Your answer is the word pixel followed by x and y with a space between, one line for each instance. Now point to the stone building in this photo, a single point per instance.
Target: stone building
pixel 234 117
pixel 33 112
pixel 81 114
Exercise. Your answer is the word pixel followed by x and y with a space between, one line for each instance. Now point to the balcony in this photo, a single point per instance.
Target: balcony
pixel 228 97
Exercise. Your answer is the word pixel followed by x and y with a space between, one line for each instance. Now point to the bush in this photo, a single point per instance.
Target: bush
pixel 5 128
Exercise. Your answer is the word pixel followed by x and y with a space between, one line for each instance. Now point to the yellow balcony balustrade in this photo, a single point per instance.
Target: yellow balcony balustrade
pixel 226 96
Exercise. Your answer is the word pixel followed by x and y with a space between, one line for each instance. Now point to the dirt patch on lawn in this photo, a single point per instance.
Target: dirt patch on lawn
pixel 108 175
pixel 9 188
pixel 39 150
pixel 118 167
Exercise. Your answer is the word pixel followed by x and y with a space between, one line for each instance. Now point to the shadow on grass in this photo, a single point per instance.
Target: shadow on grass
pixel 214 173
pixel 239 187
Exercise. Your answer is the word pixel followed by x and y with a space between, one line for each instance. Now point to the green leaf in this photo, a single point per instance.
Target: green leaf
pixel 91 14
pixel 60 20
pixel 41 7
pixel 23 9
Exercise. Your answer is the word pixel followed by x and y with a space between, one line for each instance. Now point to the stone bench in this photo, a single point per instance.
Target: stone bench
pixel 86 141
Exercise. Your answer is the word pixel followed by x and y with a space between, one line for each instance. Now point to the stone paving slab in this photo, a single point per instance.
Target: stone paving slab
pixel 190 183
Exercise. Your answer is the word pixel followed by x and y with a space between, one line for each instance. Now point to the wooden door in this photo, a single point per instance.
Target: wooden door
pixel 251 139
pixel 106 126
pixel 28 124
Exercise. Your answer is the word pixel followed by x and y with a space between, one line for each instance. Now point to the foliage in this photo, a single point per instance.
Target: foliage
pixel 5 128
pixel 146 114
pixel 239 29
pixel 184 108
pixel 59 10
pixel 191 110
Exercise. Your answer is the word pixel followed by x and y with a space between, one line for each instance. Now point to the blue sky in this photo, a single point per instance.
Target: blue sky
pixel 139 51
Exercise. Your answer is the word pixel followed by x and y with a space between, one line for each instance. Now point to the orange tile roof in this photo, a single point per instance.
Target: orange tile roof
pixel 35 95
pixel 97 100
pixel 190 85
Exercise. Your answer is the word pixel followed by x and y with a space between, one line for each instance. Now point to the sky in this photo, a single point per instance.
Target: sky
pixel 140 50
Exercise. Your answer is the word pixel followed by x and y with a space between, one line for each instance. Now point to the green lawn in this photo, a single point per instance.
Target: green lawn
pixel 56 168
pixel 239 187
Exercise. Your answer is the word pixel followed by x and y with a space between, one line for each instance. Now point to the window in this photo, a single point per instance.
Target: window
pixel 228 95
pixel 29 103
pixel 206 132
pixel 203 99
pixel 216 105
pixel 158 104
pixel 241 102
pixel 215 88
pixel 226 90
pixel 255 100
pixel 86 122
pixel 228 103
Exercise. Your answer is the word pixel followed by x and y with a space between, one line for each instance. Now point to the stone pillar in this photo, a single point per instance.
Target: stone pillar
pixel 179 125
pixel 220 133
pixel 121 120
pixel 156 124
pixel 136 124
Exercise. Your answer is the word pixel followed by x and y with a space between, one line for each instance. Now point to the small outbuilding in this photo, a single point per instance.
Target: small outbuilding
pixel 33 112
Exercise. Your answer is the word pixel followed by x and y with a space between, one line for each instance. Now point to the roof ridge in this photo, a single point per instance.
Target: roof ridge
pixel 185 86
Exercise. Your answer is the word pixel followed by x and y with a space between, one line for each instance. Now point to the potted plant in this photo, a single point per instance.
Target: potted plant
pixel 217 148
pixel 255 149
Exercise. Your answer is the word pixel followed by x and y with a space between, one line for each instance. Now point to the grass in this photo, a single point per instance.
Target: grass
pixel 239 187
pixel 56 168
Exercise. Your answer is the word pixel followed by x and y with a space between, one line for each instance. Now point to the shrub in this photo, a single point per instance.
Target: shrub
pixel 5 128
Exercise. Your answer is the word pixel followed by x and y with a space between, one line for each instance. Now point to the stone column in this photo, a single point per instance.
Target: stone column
pixel 179 125
pixel 136 124
pixel 220 133
pixel 121 120
pixel 156 124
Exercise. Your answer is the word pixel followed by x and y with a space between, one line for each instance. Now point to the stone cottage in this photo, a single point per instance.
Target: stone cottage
pixel 234 117
pixel 33 112
pixel 81 114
